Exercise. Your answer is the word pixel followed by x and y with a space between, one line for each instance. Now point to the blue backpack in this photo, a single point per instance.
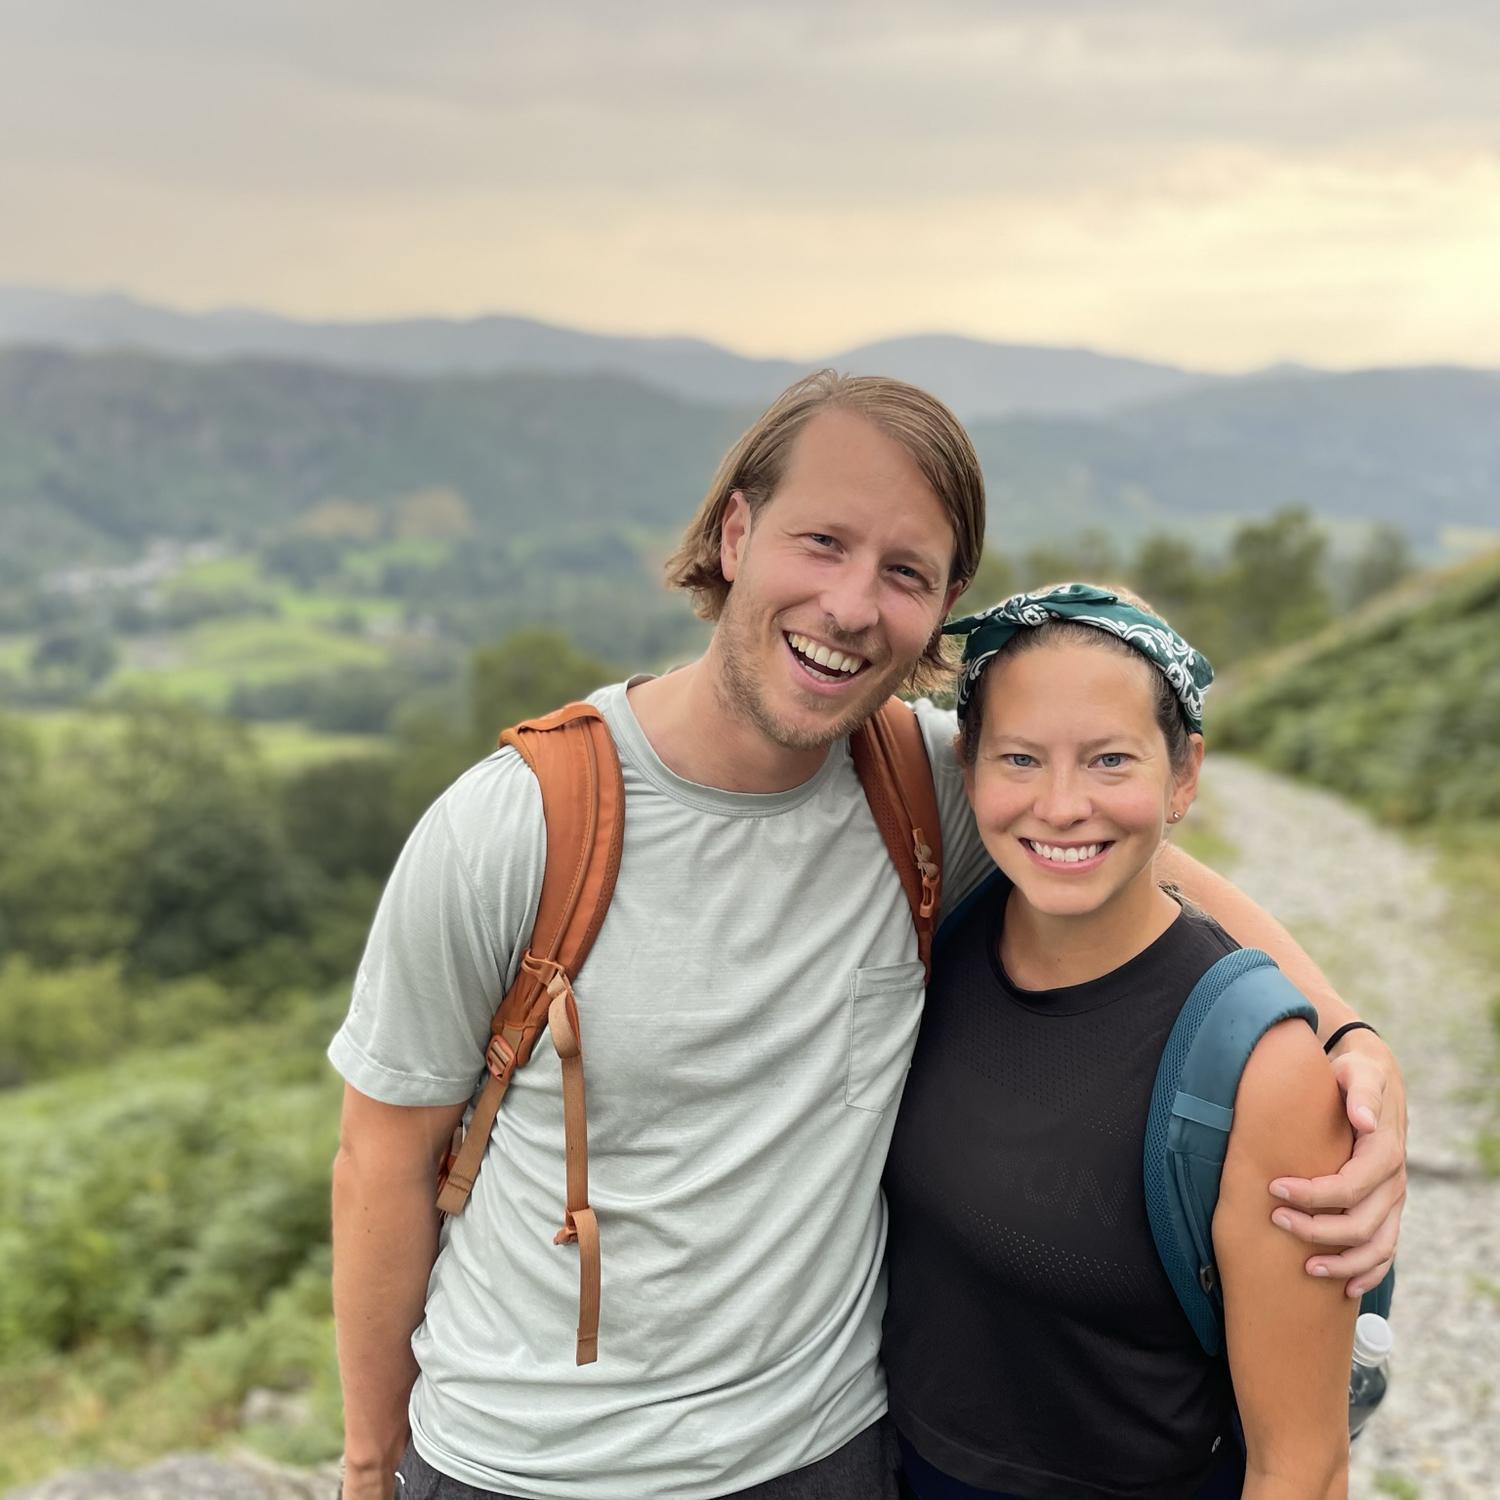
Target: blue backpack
pixel 1231 1007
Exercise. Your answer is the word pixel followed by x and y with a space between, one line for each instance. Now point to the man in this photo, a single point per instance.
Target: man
pixel 749 1009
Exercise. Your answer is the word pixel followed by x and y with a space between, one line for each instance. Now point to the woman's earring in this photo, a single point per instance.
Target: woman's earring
pixel 1175 815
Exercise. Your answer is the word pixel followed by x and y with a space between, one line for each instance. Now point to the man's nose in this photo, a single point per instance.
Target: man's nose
pixel 851 599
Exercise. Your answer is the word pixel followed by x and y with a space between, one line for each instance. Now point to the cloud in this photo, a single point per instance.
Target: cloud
pixel 854 168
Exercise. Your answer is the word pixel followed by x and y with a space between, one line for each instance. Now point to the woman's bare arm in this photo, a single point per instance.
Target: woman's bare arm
pixel 1288 1335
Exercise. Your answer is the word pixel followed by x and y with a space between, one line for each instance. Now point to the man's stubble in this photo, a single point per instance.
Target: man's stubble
pixel 741 692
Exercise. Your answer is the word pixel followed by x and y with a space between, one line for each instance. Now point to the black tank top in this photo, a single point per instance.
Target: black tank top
pixel 1032 1340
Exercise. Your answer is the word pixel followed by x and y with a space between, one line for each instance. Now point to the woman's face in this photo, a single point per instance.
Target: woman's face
pixel 1072 786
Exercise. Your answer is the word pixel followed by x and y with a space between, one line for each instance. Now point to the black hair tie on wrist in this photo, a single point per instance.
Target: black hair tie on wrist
pixel 1344 1031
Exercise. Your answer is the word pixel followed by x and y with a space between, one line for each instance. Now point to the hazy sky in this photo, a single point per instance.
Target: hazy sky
pixel 1217 184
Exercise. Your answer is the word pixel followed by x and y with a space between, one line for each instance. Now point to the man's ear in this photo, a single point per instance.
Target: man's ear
pixel 733 535
pixel 951 597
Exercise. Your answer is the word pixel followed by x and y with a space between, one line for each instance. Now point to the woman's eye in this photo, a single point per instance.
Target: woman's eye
pixel 821 538
pixel 1020 760
pixel 1112 760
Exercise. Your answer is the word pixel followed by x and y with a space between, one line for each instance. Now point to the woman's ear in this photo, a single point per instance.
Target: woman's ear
pixel 1185 781
pixel 963 765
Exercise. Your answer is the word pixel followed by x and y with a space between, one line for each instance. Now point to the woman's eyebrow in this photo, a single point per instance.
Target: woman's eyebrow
pixel 1088 747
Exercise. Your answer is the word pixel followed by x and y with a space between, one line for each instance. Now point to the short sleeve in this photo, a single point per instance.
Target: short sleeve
pixel 446 940
pixel 965 859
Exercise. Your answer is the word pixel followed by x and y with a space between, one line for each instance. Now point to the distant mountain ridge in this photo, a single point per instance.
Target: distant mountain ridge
pixel 975 377
pixel 100 454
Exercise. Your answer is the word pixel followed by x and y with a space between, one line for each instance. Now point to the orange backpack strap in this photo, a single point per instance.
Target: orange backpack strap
pixel 891 759
pixel 583 803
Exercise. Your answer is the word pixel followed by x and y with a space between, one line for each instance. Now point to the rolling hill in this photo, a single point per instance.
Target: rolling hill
pixel 101 454
pixel 975 377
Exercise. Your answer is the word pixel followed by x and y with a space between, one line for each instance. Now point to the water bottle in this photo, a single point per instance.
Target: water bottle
pixel 1369 1374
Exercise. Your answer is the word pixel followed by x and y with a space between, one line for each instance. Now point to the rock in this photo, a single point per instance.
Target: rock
pixel 188 1476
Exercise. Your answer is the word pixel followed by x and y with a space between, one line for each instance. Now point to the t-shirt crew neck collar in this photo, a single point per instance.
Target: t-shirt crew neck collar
pixel 630 740
pixel 1119 984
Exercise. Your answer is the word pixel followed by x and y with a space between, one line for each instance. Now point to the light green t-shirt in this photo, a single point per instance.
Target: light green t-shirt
pixel 747 1016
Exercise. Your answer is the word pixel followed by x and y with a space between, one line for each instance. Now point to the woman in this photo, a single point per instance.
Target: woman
pixel 1033 1344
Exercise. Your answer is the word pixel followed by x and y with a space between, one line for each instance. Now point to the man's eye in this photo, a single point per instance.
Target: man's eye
pixel 909 574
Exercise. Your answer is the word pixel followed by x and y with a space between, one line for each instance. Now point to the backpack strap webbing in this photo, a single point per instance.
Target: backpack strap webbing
pixel 1234 1004
pixel 891 760
pixel 583 804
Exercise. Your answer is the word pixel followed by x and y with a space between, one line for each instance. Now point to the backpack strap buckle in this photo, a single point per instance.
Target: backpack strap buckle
pixel 500 1057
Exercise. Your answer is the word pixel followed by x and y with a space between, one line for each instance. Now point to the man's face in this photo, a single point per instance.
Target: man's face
pixel 837 584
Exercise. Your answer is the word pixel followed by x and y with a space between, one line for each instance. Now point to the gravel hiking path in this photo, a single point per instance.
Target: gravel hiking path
pixel 1371 909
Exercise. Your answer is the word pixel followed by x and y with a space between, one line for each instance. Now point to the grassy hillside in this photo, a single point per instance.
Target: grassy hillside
pixel 164 1248
pixel 1397 707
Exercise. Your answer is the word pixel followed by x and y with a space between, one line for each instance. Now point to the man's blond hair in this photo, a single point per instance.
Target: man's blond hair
pixel 923 426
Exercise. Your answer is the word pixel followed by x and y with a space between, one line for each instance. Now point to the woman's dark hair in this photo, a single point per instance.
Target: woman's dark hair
pixel 1165 703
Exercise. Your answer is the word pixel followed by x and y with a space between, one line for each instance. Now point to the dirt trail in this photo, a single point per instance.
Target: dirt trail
pixel 1371 910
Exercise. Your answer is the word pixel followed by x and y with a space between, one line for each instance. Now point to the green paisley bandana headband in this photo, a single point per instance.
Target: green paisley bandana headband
pixel 1187 670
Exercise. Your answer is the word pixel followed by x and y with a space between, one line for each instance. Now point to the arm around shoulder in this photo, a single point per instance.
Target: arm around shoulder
pixel 1353 1214
pixel 1252 926
pixel 1288 1334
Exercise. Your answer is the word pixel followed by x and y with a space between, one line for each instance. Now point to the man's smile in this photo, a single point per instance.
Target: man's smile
pixel 825 663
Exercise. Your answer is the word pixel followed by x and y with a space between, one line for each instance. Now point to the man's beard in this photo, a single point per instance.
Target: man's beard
pixel 741 691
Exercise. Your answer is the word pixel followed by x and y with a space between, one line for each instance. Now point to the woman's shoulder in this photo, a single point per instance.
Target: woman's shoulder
pixel 1288 1095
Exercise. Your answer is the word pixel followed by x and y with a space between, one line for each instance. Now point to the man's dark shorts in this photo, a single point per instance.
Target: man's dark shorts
pixel 863 1469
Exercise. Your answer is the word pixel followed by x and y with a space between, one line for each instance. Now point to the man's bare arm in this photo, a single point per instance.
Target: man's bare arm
pixel 1355 1214
pixel 385 1226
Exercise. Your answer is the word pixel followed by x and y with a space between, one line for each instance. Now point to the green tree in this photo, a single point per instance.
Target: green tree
pixel 994 579
pixel 1273 589
pixel 527 674
pixel 1169 573
pixel 212 877
pixel 1384 560
pixel 72 657
pixel 345 816
pixel 158 840
pixel 1174 578
pixel 1089 557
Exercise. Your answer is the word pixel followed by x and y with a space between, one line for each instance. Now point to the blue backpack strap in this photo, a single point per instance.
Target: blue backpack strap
pixel 1231 1007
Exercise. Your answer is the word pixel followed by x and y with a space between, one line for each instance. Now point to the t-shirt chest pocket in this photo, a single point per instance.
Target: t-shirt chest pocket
pixel 885 1005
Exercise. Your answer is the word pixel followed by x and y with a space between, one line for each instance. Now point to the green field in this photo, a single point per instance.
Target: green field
pixel 285 747
pixel 204 663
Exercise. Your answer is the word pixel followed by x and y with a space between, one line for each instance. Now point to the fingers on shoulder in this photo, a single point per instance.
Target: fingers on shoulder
pixel 1288 1111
